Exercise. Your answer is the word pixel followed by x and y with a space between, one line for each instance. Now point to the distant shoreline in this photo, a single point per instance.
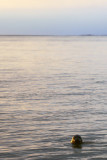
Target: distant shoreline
pixel 84 35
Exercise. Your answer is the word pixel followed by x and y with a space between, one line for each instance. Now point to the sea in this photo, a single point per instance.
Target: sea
pixel 52 88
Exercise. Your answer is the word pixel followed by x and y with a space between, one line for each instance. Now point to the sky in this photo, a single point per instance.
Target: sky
pixel 53 17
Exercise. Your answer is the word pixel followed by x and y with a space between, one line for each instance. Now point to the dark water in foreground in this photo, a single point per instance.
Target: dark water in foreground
pixel 50 89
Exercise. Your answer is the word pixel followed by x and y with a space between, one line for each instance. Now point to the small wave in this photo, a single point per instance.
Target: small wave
pixel 101 82
pixel 75 94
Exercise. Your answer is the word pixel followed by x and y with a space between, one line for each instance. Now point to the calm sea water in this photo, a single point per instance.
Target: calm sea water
pixel 52 88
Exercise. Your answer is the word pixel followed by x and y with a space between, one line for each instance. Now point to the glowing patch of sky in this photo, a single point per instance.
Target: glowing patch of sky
pixel 4 4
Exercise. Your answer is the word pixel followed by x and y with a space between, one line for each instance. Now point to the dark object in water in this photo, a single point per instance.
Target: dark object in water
pixel 76 140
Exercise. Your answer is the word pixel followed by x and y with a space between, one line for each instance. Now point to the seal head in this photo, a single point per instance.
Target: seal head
pixel 76 140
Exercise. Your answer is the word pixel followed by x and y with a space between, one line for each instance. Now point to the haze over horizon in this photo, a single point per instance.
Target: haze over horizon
pixel 50 17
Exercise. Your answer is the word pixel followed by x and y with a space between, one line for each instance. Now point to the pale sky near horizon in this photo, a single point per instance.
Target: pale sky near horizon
pixel 53 17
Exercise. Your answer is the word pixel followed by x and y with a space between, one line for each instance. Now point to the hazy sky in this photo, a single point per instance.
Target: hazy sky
pixel 53 17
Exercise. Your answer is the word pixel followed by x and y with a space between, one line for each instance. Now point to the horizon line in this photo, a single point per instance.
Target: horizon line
pixel 52 35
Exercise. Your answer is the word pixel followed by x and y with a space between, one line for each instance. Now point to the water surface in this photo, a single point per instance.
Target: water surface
pixel 52 88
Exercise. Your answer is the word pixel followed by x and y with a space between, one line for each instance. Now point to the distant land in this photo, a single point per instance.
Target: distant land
pixel 50 35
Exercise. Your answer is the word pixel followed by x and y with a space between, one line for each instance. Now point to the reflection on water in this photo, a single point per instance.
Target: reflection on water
pixel 52 88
